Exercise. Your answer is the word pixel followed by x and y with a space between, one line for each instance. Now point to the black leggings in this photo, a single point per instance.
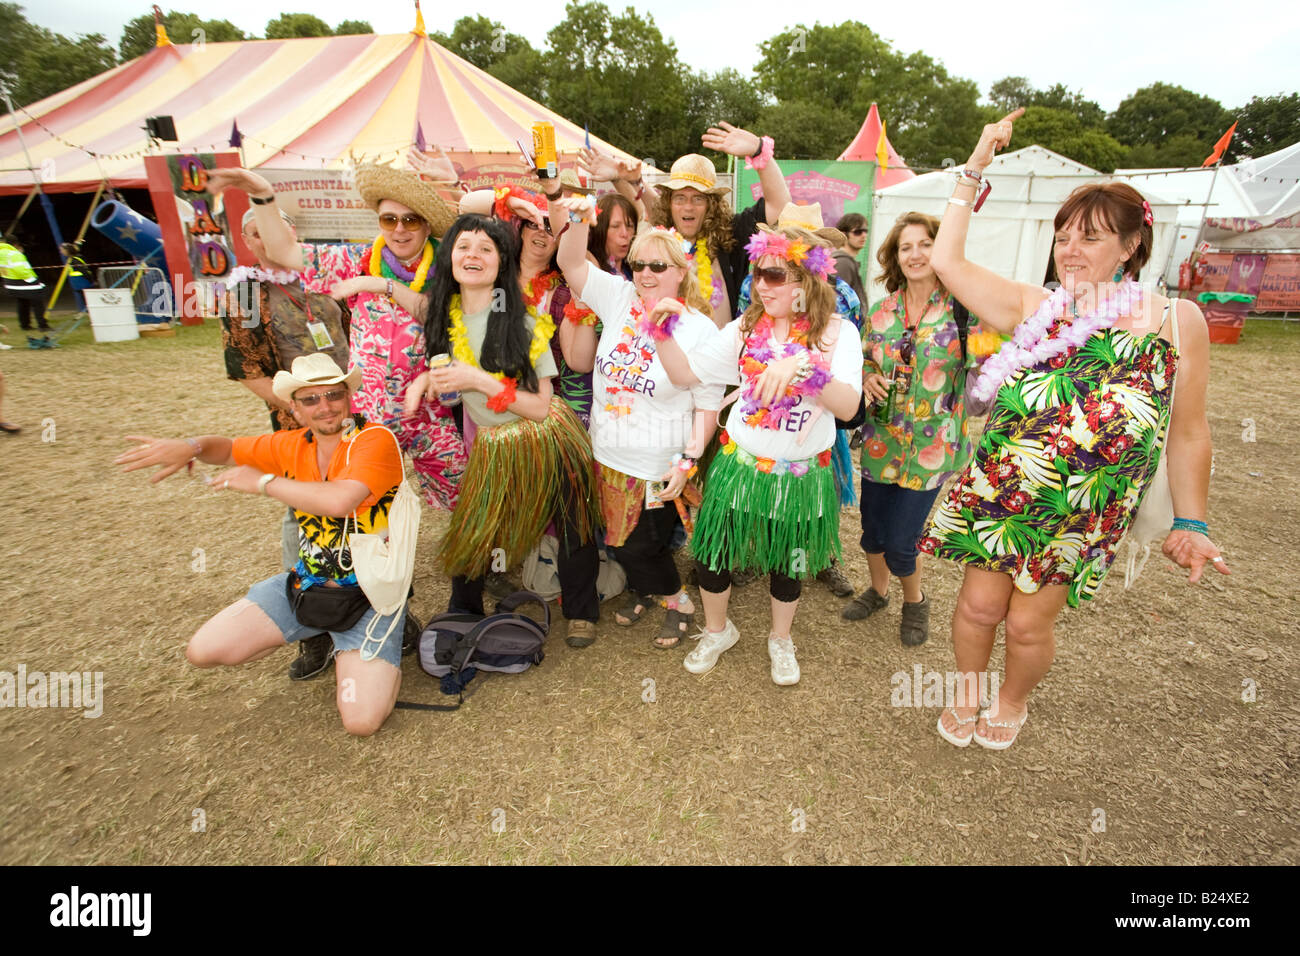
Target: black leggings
pixel 779 586
pixel 647 555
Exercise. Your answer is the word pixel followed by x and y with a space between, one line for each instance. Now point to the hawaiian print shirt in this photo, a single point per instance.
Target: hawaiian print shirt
pixel 926 441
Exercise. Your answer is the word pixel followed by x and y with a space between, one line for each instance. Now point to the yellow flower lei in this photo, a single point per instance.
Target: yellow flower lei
pixel 704 269
pixel 543 329
pixel 421 273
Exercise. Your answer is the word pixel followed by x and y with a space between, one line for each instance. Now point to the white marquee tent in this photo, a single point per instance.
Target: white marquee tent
pixel 1012 233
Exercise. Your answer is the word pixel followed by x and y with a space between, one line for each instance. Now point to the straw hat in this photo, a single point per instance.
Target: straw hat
pixel 693 171
pixel 805 217
pixel 377 183
pixel 316 368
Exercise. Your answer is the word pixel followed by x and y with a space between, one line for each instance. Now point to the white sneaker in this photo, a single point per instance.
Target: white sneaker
pixel 710 648
pixel 785 669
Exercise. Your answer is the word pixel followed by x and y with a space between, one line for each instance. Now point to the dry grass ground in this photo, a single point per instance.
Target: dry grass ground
pixel 1142 717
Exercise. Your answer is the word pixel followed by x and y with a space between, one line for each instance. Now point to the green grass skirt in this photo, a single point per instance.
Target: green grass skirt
pixel 520 476
pixel 763 521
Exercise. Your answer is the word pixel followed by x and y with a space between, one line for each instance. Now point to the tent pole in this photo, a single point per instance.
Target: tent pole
pixel 864 270
pixel 1200 232
pixel 18 218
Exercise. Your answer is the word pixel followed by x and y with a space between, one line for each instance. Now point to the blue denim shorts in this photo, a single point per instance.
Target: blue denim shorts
pixel 270 596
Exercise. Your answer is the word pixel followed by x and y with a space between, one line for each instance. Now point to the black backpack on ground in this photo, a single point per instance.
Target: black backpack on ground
pixel 454 647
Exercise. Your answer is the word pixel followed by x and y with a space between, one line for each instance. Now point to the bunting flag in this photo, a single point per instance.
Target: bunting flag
pixel 1220 146
pixel 236 137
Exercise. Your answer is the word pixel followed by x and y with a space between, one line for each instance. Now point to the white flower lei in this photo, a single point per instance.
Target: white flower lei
pixel 258 274
pixel 1030 346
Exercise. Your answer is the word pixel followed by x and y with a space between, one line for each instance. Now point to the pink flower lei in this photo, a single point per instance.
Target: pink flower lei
pixel 1030 345
pixel 657 331
pixel 759 353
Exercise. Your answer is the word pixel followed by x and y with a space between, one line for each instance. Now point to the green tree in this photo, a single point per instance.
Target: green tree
pixel 1062 131
pixel 289 25
pixel 808 129
pixel 507 56
pixel 36 62
pixel 1267 124
pixel 724 95
pixel 619 76
pixel 1181 150
pixel 1057 97
pixel 1155 114
pixel 353 27
pixel 929 114
pixel 139 36
pixel 1011 92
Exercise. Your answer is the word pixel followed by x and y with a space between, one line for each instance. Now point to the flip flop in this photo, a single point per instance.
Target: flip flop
pixel 1015 725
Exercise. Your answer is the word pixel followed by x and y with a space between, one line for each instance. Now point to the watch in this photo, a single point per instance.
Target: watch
pixel 258 201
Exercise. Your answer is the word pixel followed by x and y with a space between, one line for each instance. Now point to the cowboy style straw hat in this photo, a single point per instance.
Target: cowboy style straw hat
pixel 377 183
pixel 806 217
pixel 695 172
pixel 314 369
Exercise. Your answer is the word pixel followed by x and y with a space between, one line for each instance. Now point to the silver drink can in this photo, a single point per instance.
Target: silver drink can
pixel 442 360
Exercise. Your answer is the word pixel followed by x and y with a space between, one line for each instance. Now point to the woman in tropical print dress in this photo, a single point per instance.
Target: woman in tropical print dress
pixel 1082 406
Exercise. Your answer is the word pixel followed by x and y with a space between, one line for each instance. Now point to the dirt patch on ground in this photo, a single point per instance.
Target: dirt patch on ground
pixel 615 754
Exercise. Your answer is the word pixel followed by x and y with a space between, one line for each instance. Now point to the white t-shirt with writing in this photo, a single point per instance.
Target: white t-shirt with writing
pixel 718 361
pixel 639 418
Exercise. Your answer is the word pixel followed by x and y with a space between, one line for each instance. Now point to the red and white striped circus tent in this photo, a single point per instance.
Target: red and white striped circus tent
pixel 299 104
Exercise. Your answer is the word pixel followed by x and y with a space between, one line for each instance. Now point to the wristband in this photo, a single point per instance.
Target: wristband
pixel 970 175
pixel 264 481
pixel 198 450
pixel 501 401
pixel 804 371
pixel 953 200
pixel 257 201
pixel 684 463
pixel 390 288
pixel 766 147
pixel 1190 524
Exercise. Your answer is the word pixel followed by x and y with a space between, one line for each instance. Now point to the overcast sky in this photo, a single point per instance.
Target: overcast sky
pixel 1106 48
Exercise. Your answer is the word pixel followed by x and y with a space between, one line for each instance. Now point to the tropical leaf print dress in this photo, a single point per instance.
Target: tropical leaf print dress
pixel 1066 456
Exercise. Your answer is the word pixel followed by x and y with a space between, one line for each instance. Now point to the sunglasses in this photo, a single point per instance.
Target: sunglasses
pixel 636 265
pixel 333 395
pixel 772 276
pixel 907 348
pixel 529 224
pixel 857 232
pixel 388 221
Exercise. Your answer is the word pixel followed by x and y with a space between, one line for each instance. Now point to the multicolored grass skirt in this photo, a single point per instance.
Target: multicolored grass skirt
pixel 764 514
pixel 520 476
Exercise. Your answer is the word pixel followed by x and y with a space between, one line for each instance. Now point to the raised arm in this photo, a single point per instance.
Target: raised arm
pixel 281 247
pixel 999 302
pixel 571 250
pixel 743 144
pixel 624 175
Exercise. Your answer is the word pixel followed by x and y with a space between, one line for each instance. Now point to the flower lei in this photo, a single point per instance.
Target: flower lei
pixel 543 329
pixel 657 331
pixel 501 196
pixel 758 353
pixel 380 256
pixel 536 288
pixel 818 260
pixel 704 269
pixel 1031 344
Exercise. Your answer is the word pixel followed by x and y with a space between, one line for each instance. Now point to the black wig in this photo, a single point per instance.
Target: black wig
pixel 505 347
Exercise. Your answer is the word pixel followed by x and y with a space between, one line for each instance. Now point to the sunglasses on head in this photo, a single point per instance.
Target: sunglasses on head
pixel 388 221
pixel 636 265
pixel 773 276
pixel 333 395
pixel 529 224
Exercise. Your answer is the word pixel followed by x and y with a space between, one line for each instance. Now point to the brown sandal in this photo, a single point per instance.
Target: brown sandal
pixel 677 625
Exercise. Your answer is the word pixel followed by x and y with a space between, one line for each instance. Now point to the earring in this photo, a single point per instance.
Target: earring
pixel 1119 273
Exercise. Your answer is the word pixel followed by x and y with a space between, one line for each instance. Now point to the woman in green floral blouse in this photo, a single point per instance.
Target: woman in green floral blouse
pixel 915 437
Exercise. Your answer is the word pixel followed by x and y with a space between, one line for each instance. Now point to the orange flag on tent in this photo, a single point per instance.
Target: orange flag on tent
pixel 1220 146
pixel 882 154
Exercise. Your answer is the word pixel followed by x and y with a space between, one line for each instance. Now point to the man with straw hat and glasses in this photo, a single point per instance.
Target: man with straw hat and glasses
pixel 332 473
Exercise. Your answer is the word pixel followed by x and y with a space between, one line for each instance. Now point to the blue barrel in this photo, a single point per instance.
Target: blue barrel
pixel 142 239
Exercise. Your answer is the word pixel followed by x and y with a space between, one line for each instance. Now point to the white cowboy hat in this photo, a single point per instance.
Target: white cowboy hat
pixel 314 369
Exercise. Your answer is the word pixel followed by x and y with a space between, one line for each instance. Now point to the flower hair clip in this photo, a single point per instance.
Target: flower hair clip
pixel 1148 217
pixel 816 259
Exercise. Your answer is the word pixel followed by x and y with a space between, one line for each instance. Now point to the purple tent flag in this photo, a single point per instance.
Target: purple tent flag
pixel 236 137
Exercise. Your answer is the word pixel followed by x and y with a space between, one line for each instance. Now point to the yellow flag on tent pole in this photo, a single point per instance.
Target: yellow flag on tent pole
pixel 419 30
pixel 882 157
